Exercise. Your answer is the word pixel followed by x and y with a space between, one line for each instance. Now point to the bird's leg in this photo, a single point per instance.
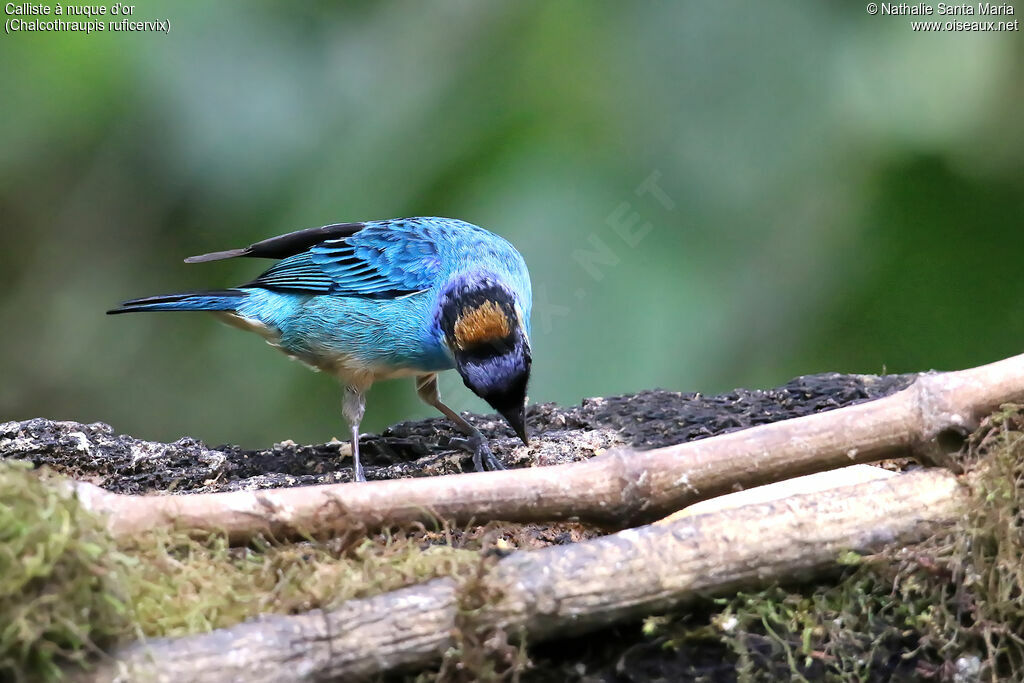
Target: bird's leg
pixel 483 458
pixel 353 405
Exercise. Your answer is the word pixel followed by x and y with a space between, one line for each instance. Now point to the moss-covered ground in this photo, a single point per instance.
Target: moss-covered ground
pixel 948 609
pixel 68 590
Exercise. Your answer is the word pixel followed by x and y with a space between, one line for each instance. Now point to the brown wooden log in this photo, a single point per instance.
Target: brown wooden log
pixel 564 590
pixel 617 489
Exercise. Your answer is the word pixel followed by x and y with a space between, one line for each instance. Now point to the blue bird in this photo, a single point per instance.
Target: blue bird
pixel 368 301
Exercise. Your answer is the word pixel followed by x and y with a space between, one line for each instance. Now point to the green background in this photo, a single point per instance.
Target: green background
pixel 840 193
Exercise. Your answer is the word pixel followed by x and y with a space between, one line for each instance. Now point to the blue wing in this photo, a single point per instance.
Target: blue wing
pixel 379 259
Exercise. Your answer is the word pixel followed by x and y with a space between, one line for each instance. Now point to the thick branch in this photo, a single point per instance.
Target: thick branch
pixel 618 488
pixel 568 589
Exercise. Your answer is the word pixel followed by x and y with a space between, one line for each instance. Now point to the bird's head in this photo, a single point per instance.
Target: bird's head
pixel 483 327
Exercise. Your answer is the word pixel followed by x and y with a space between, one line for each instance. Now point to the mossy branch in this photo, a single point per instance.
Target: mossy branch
pixel 564 590
pixel 617 489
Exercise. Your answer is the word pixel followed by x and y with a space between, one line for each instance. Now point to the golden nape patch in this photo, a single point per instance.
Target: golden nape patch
pixel 484 323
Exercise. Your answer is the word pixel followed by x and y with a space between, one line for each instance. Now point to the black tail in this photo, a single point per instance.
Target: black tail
pixel 223 300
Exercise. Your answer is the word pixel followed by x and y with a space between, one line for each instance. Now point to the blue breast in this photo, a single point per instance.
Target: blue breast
pixel 397 333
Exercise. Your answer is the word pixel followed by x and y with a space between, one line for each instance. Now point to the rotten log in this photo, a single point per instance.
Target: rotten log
pixel 618 488
pixel 564 590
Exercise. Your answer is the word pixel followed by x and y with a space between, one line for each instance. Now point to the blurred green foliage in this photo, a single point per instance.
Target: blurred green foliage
pixel 834 192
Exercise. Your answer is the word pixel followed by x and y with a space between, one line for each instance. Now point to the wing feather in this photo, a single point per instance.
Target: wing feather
pixel 284 246
pixel 379 259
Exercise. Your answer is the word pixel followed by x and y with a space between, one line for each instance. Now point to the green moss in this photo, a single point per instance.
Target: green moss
pixel 180 585
pixel 954 603
pixel 858 629
pixel 984 556
pixel 480 652
pixel 67 589
pixel 59 594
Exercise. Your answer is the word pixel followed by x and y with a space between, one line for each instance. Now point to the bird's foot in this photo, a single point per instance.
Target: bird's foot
pixel 357 473
pixel 483 458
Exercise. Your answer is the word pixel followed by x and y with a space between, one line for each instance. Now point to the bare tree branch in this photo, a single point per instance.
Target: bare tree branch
pixel 618 488
pixel 564 590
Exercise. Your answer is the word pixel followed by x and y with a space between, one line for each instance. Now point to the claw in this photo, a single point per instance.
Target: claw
pixel 483 458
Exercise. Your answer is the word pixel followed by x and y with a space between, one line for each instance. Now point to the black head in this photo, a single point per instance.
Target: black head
pixel 484 330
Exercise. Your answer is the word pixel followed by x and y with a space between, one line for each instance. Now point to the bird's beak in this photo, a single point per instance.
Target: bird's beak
pixel 516 418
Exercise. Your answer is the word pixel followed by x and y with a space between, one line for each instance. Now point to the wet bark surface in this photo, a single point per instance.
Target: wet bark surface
pixel 650 419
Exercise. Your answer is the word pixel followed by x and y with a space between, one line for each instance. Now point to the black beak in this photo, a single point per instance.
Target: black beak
pixel 516 418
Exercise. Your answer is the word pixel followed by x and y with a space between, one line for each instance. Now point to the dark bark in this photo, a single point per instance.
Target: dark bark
pixel 651 419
